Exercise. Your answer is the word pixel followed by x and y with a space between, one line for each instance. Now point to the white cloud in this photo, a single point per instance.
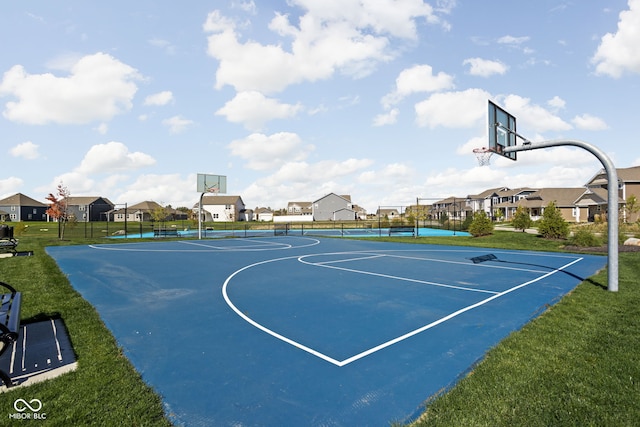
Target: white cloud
pixel 589 122
pixel 620 52
pixel 453 109
pixel 264 152
pixel 306 181
pixel 388 118
pixel 10 186
pixel 348 37
pixel 160 98
pixel 177 124
pixel 556 103
pixel 163 189
pixel 102 128
pixel 417 79
pixel 97 88
pixel 512 40
pixel 533 116
pixel 485 67
pixel 27 150
pixel 253 110
pixel 112 157
pixel 165 45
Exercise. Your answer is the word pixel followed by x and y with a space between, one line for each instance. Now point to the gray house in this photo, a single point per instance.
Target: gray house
pixel 23 208
pixel 333 208
pixel 85 209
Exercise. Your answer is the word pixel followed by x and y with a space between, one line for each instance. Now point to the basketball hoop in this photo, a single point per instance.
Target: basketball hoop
pixel 483 155
pixel 214 190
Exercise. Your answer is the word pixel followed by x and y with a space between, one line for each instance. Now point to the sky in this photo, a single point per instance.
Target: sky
pixel 382 100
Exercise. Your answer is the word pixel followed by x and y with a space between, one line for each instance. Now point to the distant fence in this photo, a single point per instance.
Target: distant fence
pixel 189 228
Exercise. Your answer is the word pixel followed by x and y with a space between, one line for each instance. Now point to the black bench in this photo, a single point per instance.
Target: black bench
pixel 166 232
pixel 403 229
pixel 7 242
pixel 9 322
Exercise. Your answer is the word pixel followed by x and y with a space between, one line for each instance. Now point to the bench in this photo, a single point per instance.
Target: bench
pixel 166 232
pixel 403 229
pixel 10 301
pixel 7 242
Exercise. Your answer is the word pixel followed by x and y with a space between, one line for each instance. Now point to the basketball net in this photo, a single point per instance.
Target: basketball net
pixel 483 155
pixel 213 190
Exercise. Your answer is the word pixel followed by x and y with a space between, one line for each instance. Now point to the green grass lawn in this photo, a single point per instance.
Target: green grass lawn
pixel 578 364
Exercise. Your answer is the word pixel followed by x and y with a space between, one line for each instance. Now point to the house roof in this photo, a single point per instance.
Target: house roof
pixel 221 200
pixel 346 197
pixel 542 197
pixel 593 196
pixel 20 199
pixel 86 200
pixel 301 204
pixel 625 175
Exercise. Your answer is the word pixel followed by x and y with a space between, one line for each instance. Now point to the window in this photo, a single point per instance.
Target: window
pixel 216 216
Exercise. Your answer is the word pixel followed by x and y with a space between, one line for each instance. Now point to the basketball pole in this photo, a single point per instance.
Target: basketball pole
pixel 200 217
pixel 612 189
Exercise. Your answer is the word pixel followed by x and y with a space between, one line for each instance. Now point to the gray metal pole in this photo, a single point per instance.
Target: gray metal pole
pixel 200 217
pixel 612 188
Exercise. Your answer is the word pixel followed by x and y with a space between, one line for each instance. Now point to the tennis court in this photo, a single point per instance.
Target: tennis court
pixel 281 331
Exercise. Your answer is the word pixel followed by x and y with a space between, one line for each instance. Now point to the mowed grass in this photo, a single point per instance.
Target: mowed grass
pixel 105 390
pixel 578 364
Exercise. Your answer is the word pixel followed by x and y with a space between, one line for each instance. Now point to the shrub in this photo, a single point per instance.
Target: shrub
pixel 585 238
pixel 521 219
pixel 552 225
pixel 481 225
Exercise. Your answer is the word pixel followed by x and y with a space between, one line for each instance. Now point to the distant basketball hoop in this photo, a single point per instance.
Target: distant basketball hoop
pixel 483 155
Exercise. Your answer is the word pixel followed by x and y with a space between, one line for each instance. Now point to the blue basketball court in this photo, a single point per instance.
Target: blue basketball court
pixel 293 331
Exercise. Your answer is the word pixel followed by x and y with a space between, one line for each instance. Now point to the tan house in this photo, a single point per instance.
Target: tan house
pixel 629 187
pixel 564 198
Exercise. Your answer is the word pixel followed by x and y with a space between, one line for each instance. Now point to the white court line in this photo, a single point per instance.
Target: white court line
pixel 120 247
pixel 388 276
pixel 471 265
pixel 452 315
pixel 264 328
pixel 274 245
pixel 384 345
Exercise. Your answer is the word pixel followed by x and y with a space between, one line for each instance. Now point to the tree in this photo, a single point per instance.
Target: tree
pixel 159 214
pixel 481 225
pixel 631 206
pixel 59 209
pixel 521 219
pixel 552 225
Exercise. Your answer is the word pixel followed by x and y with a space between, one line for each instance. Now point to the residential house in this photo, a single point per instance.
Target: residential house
pixel 333 207
pixel 453 208
pixel 388 213
pixel 361 213
pixel 145 211
pixel 223 209
pixel 564 198
pixel 263 214
pixel 85 209
pixel 629 186
pixel 23 208
pixel 299 208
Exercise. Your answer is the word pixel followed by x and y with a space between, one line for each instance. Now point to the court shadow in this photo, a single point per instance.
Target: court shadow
pixel 493 258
